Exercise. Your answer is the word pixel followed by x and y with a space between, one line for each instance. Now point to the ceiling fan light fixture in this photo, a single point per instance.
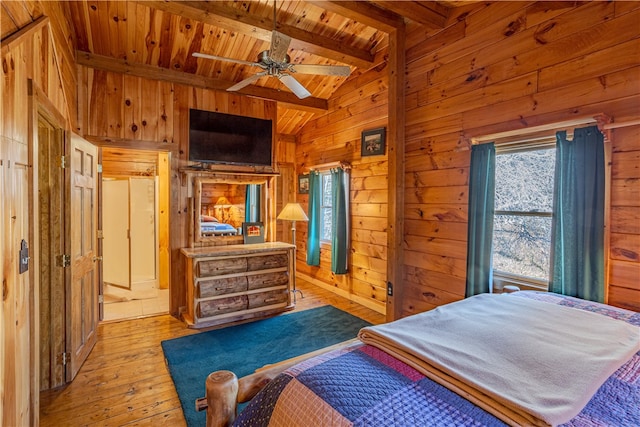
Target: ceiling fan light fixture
pixel 277 63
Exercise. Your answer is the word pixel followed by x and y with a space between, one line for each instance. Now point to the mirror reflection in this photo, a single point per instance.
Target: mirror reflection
pixel 223 207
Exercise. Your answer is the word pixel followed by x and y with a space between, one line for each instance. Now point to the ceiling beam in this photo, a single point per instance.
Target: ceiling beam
pixel 107 63
pixel 420 12
pixel 219 15
pixel 364 12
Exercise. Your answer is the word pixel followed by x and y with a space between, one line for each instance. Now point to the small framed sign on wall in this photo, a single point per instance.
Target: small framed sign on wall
pixel 303 184
pixel 373 142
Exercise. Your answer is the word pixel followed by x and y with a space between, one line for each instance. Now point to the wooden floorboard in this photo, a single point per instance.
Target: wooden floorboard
pixel 125 382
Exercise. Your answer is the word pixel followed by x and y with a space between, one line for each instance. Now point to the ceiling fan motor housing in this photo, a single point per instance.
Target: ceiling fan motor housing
pixel 263 57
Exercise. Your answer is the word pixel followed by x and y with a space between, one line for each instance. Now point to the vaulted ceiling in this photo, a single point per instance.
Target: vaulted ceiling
pixel 157 39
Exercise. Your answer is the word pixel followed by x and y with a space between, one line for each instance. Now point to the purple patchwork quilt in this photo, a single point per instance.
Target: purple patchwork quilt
pixel 364 386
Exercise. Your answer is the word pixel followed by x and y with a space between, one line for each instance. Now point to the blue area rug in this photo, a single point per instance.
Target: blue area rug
pixel 244 348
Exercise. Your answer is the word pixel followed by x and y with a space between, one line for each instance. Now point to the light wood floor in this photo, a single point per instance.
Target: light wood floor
pixel 125 381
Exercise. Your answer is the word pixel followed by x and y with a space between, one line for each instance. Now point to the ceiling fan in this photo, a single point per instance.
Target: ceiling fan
pixel 276 63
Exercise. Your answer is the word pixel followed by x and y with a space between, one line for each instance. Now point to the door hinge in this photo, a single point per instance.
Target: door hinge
pixel 64 260
pixel 100 234
pixel 63 358
pixel 100 299
pixel 99 167
pixel 63 162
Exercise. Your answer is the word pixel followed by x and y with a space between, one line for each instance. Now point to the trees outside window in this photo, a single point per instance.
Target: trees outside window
pixel 325 206
pixel 523 211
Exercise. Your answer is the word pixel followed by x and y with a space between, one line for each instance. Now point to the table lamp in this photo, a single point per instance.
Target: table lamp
pixel 293 212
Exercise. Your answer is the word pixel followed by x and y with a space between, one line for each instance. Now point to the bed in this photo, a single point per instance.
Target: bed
pixel 210 226
pixel 555 371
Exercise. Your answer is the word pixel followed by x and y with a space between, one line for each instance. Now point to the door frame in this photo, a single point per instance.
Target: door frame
pixel 39 106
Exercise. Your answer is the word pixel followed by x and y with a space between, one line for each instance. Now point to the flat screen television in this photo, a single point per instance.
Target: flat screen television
pixel 229 139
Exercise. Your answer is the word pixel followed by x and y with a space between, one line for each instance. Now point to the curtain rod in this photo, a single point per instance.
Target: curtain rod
pixel 330 165
pixel 598 118
pixel 604 122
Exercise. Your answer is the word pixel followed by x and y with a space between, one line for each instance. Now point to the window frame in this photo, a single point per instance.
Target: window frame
pixel 323 206
pixel 503 278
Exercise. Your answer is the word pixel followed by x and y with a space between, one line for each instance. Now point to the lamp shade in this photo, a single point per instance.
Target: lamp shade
pixel 293 212
pixel 223 202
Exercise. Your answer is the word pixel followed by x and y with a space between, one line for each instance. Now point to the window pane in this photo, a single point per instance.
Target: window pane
pixel 325 229
pixel 326 190
pixel 524 181
pixel 521 245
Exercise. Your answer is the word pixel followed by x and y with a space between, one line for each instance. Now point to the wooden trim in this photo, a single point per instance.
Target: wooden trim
pixel 395 146
pixel 365 12
pixel 366 302
pixel 330 165
pixel 13 39
pixel 122 66
pixel 536 129
pixel 608 157
pixel 33 236
pixel 219 15
pixel 421 12
pixel 111 142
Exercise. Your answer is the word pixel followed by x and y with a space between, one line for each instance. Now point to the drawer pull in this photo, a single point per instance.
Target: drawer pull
pixel 268 300
pixel 223 307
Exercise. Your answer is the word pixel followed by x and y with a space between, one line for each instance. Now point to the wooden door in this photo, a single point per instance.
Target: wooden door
pixel 15 307
pixel 82 295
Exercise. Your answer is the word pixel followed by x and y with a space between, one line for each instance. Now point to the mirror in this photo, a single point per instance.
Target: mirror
pixel 219 208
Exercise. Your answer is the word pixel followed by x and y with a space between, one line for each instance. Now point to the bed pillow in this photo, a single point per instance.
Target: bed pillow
pixel 208 218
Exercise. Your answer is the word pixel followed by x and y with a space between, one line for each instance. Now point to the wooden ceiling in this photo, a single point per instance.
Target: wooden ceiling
pixel 156 39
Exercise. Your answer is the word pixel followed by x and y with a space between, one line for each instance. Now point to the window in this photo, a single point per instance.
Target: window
pixel 252 203
pixel 325 206
pixel 523 213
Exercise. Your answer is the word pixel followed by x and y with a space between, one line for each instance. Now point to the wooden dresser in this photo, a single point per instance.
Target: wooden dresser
pixel 237 282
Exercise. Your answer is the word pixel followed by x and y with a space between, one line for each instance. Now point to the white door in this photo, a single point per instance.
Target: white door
pixel 142 218
pixel 116 242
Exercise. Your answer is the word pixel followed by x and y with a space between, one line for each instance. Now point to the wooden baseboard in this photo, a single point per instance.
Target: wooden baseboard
pixel 380 307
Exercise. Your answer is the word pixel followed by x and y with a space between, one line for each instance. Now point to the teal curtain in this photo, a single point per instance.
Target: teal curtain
pixel 577 233
pixel 481 210
pixel 339 220
pixel 252 203
pixel 313 226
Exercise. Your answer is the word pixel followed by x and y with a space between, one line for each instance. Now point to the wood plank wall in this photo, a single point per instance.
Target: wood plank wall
pixel 504 66
pixel 30 56
pixel 140 113
pixel 360 104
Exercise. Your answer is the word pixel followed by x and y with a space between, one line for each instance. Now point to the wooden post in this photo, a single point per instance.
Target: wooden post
pixel 222 396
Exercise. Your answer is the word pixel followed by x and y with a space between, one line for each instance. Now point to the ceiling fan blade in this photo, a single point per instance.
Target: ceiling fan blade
pixel 279 45
pixel 294 86
pixel 246 82
pixel 326 70
pixel 222 58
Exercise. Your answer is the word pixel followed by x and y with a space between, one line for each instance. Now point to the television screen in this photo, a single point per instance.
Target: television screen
pixel 226 138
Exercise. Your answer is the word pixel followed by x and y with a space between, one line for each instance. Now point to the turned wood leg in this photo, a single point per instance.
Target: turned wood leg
pixel 222 397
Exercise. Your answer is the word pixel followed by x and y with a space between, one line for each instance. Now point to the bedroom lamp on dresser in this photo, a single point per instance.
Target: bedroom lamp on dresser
pixel 293 212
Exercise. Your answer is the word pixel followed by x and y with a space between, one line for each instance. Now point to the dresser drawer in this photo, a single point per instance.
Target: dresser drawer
pixel 268 280
pixel 221 306
pixel 267 261
pixel 218 267
pixel 214 287
pixel 268 298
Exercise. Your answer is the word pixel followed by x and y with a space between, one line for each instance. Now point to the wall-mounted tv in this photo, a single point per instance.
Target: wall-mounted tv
pixel 229 139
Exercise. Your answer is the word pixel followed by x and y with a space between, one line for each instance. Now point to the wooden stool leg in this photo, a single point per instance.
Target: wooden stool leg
pixel 222 398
